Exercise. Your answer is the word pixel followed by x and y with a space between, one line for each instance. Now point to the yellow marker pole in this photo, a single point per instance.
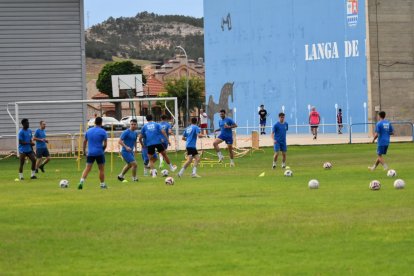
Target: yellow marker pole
pixel 112 148
pixel 79 146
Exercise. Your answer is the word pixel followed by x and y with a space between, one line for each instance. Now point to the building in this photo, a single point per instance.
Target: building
pixel 42 58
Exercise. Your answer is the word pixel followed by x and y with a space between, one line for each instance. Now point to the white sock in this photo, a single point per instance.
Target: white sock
pixel 21 175
pixel 181 171
pixel 194 170
pixel 121 175
pixel 171 166
pixel 82 180
pixel 274 163
pixel 231 161
pixel 102 183
pixel 161 159
pixel 219 154
pixel 33 173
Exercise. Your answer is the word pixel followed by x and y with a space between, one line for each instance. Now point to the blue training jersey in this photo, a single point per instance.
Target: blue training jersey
pixel 226 132
pixel 95 137
pixel 129 138
pixel 25 136
pixel 384 130
pixel 152 133
pixel 166 126
pixel 279 132
pixel 191 133
pixel 40 134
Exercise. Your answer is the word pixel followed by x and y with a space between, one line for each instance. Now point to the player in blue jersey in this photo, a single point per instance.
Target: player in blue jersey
pixel 145 158
pixel 41 147
pixel 96 139
pixel 166 126
pixel 383 131
pixel 279 137
pixel 152 133
pixel 128 141
pixel 190 136
pixel 26 149
pixel 226 135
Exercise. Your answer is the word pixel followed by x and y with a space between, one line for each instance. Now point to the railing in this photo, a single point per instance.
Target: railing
pixel 410 124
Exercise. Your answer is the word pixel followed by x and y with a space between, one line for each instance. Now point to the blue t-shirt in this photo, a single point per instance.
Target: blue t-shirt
pixel 95 137
pixel 129 138
pixel 25 136
pixel 279 132
pixel 152 133
pixel 40 134
pixel 191 133
pixel 226 132
pixel 384 130
pixel 166 127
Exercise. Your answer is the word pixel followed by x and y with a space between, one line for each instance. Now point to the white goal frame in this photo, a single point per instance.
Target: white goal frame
pixel 17 105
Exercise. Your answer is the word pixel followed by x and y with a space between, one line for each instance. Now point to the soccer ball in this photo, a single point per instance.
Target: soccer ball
pixel 169 181
pixel 288 173
pixel 164 173
pixel 391 173
pixel 64 183
pixel 399 184
pixel 375 185
pixel 327 165
pixel 313 184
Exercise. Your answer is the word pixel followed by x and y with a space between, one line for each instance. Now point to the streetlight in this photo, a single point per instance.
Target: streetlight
pixel 187 106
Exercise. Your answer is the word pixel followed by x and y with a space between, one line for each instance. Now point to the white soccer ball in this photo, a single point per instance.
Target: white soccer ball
pixel 169 181
pixel 391 173
pixel 313 184
pixel 375 185
pixel 327 165
pixel 64 183
pixel 399 184
pixel 164 173
pixel 288 173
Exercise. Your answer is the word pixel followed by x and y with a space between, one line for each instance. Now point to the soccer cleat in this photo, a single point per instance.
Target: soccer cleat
pixel 120 178
pixel 194 175
pixel 174 168
pixel 145 172
pixel 371 168
pixel 274 166
pixel 42 168
pixel 283 165
pixel 385 167
pixel 33 177
pixel 80 186
pixel 179 175
pixel 221 159
pixel 36 171
pixel 21 178
pixel 135 179
pixel 154 173
pixel 103 186
pixel 232 164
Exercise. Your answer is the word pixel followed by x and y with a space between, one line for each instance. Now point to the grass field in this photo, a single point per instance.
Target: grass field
pixel 228 222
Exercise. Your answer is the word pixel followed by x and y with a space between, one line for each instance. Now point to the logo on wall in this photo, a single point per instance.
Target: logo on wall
pixel 226 21
pixel 352 12
pixel 226 94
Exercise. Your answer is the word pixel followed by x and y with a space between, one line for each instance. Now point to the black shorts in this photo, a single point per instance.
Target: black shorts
pixel 151 149
pixel 43 152
pixel 314 127
pixel 192 151
pixel 100 159
pixel 28 154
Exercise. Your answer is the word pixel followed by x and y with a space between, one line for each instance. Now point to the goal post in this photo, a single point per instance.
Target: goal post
pixel 19 105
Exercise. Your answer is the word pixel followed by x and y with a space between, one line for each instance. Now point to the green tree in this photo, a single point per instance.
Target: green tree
pixel 104 82
pixel 177 88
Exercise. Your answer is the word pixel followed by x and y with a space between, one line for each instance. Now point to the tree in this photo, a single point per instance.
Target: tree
pixel 104 82
pixel 177 88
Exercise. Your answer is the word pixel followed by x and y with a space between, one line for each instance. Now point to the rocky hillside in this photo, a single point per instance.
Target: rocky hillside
pixel 146 36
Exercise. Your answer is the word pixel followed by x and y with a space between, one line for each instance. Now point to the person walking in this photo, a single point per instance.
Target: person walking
pixel 314 121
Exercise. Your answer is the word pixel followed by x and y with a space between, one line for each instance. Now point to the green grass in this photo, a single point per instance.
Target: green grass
pixel 228 222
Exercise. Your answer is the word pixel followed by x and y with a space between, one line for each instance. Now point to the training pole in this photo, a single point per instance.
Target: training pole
pixel 112 148
pixel 79 146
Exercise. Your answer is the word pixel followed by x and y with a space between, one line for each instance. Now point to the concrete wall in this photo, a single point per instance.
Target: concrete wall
pixel 391 59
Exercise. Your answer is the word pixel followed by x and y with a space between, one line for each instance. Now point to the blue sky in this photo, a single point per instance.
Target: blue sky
pixel 100 10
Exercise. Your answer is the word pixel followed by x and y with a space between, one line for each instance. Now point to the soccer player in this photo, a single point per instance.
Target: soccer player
pixel 128 141
pixel 26 149
pixel 166 126
pixel 145 158
pixel 262 117
pixel 314 120
pixel 97 139
pixel 226 135
pixel 190 136
pixel 383 131
pixel 41 147
pixel 152 132
pixel 279 135
pixel 339 121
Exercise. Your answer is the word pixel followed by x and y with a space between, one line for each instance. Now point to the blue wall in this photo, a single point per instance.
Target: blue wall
pixel 267 51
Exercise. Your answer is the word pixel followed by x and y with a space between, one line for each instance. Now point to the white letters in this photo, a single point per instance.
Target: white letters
pixel 329 50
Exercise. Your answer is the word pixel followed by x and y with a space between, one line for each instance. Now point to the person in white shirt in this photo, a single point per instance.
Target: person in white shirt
pixel 203 123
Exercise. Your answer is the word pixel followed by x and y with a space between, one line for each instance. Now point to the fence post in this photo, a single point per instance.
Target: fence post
pixel 350 134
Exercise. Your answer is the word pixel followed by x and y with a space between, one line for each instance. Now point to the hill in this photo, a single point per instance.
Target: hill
pixel 147 36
